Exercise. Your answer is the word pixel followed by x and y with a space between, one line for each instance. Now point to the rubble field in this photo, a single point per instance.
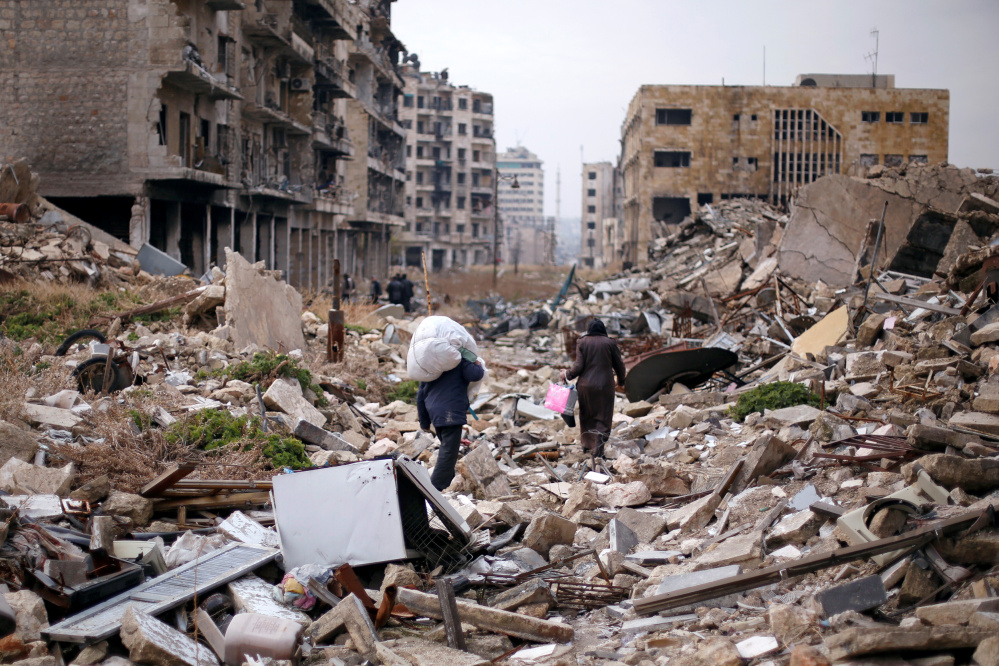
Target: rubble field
pixel 803 469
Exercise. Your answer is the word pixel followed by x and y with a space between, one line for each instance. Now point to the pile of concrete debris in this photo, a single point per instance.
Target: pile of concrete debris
pixel 804 467
pixel 39 240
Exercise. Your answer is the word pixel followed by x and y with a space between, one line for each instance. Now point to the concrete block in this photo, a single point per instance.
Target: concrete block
pixel 857 595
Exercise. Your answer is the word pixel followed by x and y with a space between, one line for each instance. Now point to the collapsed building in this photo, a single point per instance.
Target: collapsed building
pixel 684 146
pixel 267 126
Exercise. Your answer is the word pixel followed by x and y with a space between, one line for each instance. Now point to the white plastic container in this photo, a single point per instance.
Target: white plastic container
pixel 250 635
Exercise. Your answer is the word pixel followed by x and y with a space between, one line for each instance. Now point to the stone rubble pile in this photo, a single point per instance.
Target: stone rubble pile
pixel 828 498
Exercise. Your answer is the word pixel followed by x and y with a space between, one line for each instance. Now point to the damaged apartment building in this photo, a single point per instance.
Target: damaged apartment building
pixel 528 236
pixel 684 146
pixel 601 234
pixel 450 173
pixel 193 126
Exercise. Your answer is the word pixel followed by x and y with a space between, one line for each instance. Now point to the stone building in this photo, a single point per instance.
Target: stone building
pixel 450 173
pixel 688 145
pixel 199 125
pixel 599 224
pixel 528 236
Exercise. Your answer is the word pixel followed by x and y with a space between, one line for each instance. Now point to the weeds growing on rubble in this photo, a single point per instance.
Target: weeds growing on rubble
pixel 776 395
pixel 265 367
pixel 405 391
pixel 211 430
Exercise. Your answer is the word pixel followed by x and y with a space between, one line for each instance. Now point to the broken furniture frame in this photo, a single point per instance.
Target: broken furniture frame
pixel 971 522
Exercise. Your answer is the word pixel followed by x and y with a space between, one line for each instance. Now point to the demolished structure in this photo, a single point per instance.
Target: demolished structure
pixel 804 468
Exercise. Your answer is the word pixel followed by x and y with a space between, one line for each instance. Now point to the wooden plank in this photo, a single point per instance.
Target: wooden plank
pixel 805 565
pixel 220 501
pixel 222 484
pixel 915 303
pixel 167 479
pixel 449 613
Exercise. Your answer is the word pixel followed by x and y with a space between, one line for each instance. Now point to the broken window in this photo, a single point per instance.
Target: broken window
pixel 591 209
pixel 461 153
pixel 870 116
pixel 868 160
pixel 671 210
pixel 461 178
pixel 419 102
pixel 408 124
pixel 591 193
pixel 461 200
pixel 462 103
pixel 894 117
pixel 735 161
pixel 753 162
pixel 591 242
pixel 592 175
pixel 705 198
pixel 419 202
pixel 419 152
pixel 591 225
pixel 475 156
pixel 673 116
pixel 223 136
pixel 462 128
pixel 409 151
pixel 917 159
pixel 419 127
pixel 735 117
pixel 920 118
pixel 672 158
pixel 407 101
pixel 419 177
pixel 753 117
pixel 437 153
pixel 161 126
pixel 893 160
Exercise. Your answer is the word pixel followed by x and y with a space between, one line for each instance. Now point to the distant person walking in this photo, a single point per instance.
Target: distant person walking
pixel 407 296
pixel 376 290
pixel 598 360
pixel 395 291
pixel 444 404
pixel 348 288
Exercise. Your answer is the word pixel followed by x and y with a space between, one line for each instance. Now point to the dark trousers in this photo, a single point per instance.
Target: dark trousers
pixel 447 456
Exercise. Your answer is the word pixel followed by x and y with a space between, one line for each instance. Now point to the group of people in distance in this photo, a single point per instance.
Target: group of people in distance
pixel 399 290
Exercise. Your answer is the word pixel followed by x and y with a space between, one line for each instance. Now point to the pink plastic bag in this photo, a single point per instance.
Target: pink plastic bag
pixel 560 398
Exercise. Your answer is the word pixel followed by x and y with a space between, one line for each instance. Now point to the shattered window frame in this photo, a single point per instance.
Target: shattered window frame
pixel 919 118
pixel 677 159
pixel 870 116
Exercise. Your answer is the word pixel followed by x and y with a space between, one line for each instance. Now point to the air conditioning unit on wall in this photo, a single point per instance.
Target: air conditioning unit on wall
pixel 299 85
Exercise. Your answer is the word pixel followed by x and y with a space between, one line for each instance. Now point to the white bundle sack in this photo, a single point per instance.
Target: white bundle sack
pixel 435 347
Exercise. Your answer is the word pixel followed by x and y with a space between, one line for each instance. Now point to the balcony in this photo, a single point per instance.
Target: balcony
pixel 333 74
pixel 484 109
pixel 280 192
pixel 225 5
pixel 334 201
pixel 271 116
pixel 340 19
pixel 200 81
pixel 329 133
pixel 189 175
pixel 266 32
pixel 377 56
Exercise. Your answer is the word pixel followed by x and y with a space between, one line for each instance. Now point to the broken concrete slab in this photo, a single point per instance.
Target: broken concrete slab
pixel 547 530
pixel 829 331
pixel 972 475
pixel 240 527
pixel 479 467
pixel 260 309
pixel 799 415
pixel 635 493
pixel 977 421
pixel 702 577
pixel 695 515
pixel 29 613
pixel 285 395
pixel 791 623
pixel 743 549
pixel 644 625
pixel 955 612
pixel 22 478
pixel 769 453
pixel 796 528
pixel 16 443
pixel 135 507
pixel 620 537
pixel 860 641
pixel 987 652
pixel 150 641
pixel 44 416
pixel 328 441
pixel 582 497
pixel 857 595
pixel 646 525
pixel 251 594
pixel 351 614
pixel 531 592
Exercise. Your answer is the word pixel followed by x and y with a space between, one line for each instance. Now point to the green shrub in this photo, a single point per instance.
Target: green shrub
pixel 405 391
pixel 141 419
pixel 775 395
pixel 264 368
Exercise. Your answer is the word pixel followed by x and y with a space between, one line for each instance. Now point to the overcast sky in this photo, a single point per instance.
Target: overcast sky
pixel 563 71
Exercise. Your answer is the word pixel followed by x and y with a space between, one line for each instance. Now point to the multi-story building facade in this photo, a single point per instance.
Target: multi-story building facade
pixel 689 145
pixel 599 242
pixel 194 126
pixel 528 237
pixel 450 173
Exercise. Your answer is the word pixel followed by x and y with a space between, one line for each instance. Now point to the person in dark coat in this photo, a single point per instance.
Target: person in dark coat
pixel 376 290
pixel 407 296
pixel 395 290
pixel 598 361
pixel 348 288
pixel 444 403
